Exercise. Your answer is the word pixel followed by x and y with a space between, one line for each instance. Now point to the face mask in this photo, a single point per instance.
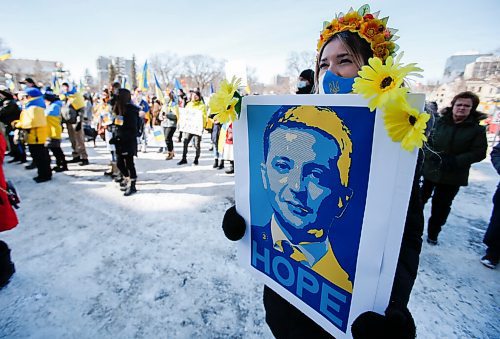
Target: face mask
pixel 23 86
pixel 330 83
pixel 301 84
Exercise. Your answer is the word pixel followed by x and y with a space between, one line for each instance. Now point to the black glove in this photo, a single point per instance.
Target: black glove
pixel 233 224
pixel 448 163
pixel 432 157
pixel 78 126
pixel 397 323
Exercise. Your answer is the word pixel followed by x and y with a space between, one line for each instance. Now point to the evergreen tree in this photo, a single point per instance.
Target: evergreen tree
pixel 133 74
pixel 112 73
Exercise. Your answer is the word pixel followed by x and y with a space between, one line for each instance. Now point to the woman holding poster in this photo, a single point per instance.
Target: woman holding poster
pixel 347 45
pixel 191 125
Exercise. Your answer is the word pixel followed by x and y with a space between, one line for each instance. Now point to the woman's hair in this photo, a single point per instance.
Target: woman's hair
pixel 467 95
pixel 124 98
pixel 358 47
pixel 475 103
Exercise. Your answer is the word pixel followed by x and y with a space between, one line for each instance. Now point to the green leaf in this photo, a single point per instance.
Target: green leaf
pixel 237 107
pixel 363 10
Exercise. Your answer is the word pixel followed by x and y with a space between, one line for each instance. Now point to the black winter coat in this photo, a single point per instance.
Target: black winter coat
pixel 453 148
pixel 9 111
pixel 126 134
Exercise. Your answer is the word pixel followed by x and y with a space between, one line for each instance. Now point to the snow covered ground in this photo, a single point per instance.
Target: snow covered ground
pixel 92 263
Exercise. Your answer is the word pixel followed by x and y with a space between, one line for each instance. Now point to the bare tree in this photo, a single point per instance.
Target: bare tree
pixel 166 67
pixel 202 69
pixel 299 61
pixel 38 71
pixel 3 47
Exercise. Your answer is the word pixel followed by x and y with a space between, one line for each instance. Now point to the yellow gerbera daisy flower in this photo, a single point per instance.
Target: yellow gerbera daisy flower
pixel 405 124
pixel 381 83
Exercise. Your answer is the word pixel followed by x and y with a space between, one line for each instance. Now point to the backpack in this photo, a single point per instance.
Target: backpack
pixel 68 114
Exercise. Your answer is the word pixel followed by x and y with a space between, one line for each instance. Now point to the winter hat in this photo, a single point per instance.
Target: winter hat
pixel 28 81
pixel 308 74
pixel 50 97
pixel 33 92
pixel 6 94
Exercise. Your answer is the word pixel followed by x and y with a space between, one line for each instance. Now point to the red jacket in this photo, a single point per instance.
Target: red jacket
pixel 8 218
pixel 229 134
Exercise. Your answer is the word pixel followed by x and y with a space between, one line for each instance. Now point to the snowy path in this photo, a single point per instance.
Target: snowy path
pixel 94 264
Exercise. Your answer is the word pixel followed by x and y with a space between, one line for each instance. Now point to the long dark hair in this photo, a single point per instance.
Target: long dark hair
pixel 124 98
pixel 358 47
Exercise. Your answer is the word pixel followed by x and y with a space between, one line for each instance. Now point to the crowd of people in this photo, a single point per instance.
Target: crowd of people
pixel 35 117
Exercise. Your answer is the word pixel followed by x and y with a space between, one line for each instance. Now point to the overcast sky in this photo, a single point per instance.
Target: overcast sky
pixel 260 32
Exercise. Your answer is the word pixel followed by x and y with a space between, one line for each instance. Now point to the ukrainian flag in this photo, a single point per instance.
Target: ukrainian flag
pixel 177 85
pixel 159 93
pixel 4 55
pixel 144 80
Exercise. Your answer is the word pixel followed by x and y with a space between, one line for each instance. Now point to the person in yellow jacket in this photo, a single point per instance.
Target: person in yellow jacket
pixel 76 101
pixel 33 121
pixel 53 114
pixel 195 104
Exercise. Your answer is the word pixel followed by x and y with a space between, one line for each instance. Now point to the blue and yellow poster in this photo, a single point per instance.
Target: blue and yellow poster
pixel 304 192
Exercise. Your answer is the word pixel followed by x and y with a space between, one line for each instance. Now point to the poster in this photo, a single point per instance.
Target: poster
pixel 324 193
pixel 191 121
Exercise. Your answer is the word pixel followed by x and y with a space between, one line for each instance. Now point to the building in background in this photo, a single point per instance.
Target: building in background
pixel 455 65
pixel 41 71
pixel 120 66
pixel 483 67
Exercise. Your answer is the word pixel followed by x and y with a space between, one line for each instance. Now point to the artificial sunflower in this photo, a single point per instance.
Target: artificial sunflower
pixel 224 103
pixel 405 124
pixel 381 83
pixel 371 28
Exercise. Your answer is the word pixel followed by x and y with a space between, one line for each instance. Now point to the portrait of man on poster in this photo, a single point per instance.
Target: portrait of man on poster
pixel 305 173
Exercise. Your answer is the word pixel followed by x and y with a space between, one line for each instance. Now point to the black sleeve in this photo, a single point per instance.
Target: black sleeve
pixel 411 245
pixel 495 157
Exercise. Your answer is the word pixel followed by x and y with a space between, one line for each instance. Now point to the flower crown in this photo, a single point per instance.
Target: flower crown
pixel 367 25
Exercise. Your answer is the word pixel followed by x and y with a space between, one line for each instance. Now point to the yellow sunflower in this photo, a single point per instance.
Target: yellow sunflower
pixel 381 83
pixel 405 124
pixel 223 102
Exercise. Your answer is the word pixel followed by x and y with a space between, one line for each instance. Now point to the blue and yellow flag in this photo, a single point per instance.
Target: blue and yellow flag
pixel 159 93
pixel 177 85
pixel 144 80
pixel 6 54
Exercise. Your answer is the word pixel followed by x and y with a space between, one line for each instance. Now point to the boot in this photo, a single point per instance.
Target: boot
pixel 60 168
pixel 130 188
pixel 84 162
pixel 119 178
pixel 216 163
pixel 221 165
pixel 30 166
pixel 182 162
pixel 124 184
pixel 230 170
pixel 170 155
pixel 74 160
pixel 112 169
pixel 7 268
